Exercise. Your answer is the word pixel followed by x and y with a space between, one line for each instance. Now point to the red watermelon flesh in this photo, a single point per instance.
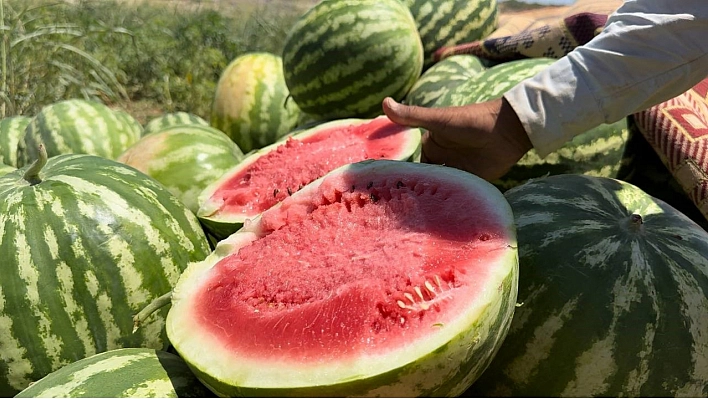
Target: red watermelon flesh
pixel 358 274
pixel 268 176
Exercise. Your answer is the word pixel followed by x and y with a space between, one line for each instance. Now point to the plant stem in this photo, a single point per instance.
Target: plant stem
pixel 32 173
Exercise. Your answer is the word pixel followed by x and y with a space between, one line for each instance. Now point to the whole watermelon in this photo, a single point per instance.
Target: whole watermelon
pixel 173 119
pixel 441 78
pixel 184 158
pixel 11 130
pixel 343 57
pixel 450 22
pixel 85 243
pixel 252 104
pixel 76 126
pixel 612 295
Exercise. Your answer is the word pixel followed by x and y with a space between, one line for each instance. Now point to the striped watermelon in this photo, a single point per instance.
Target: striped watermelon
pixel 441 78
pixel 184 158
pixel 173 119
pixel 130 121
pixel 76 127
pixel 367 282
pixel 494 82
pixel 11 130
pixel 273 173
pixel 613 295
pixel 343 57
pixel 85 243
pixel 252 104
pixel 450 22
pixel 121 373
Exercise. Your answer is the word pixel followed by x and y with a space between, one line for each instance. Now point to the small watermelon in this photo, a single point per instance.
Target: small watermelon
pixel 76 127
pixel 11 130
pixel 450 22
pixel 252 104
pixel 612 293
pixel 441 78
pixel 121 373
pixel 173 119
pixel 343 57
pixel 85 243
pixel 184 158
pixel 273 173
pixel 383 278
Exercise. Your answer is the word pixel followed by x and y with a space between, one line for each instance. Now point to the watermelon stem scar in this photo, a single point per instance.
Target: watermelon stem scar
pixel 32 173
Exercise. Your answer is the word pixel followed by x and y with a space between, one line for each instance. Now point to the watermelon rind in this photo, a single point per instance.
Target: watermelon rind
pixel 121 373
pixel 444 365
pixel 12 128
pixel 222 225
pixel 82 251
pixel 612 293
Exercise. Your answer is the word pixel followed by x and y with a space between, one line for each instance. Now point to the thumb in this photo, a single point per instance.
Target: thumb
pixel 433 119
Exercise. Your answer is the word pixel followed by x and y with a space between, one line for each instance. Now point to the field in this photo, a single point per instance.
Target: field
pixel 144 56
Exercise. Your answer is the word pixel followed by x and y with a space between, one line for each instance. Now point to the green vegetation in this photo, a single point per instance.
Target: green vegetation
pixel 146 58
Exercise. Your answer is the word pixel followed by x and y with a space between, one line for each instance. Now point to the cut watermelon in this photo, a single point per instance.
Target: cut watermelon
pixel 275 172
pixel 383 278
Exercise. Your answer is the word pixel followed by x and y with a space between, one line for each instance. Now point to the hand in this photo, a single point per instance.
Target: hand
pixel 486 139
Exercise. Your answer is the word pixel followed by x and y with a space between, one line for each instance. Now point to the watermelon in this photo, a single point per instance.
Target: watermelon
pixel 383 278
pixel 612 293
pixel 5 169
pixel 449 22
pixel 76 127
pixel 11 129
pixel 85 243
pixel 130 122
pixel 252 104
pixel 121 373
pixel 494 82
pixel 343 57
pixel 442 77
pixel 173 119
pixel 184 158
pixel 273 173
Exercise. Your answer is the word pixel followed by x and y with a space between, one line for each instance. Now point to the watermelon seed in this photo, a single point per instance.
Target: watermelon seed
pixel 430 287
pixel 275 192
pixel 371 184
pixel 399 184
pixel 401 304
pixel 484 237
pixel 420 294
pixel 409 297
pixel 353 188
pixel 373 197
pixel 290 192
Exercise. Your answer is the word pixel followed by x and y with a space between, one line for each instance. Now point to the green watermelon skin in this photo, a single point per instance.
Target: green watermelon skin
pixel 121 373
pixel 449 22
pixel 83 251
pixel 76 127
pixel 343 57
pixel 612 294
pixel 173 119
pixel 184 158
pixel 5 169
pixel 130 122
pixel 252 104
pixel 446 370
pixel 495 81
pixel 11 129
pixel 441 78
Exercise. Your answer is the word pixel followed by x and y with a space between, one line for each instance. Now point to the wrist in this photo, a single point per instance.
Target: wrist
pixel 509 126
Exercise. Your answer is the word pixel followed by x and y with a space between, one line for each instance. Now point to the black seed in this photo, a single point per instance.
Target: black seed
pixel 353 188
pixel 290 192
pixel 399 184
pixel 275 192
pixel 371 184
pixel 373 197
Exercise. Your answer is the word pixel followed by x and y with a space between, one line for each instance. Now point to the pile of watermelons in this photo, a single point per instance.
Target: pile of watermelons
pixel 292 245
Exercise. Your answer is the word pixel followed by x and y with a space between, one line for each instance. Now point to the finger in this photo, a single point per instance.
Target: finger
pixel 433 119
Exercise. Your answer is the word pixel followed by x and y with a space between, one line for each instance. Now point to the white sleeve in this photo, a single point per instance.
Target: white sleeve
pixel 648 52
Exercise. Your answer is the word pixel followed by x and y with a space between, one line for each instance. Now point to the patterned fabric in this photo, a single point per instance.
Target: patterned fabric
pixel 553 40
pixel 678 131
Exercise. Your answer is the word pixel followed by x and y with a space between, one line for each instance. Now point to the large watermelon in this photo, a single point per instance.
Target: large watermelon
pixel 184 158
pixel 76 127
pixel 441 78
pixel 612 293
pixel 252 104
pixel 383 278
pixel 173 119
pixel 449 22
pixel 11 130
pixel 85 242
pixel 273 173
pixel 121 373
pixel 343 57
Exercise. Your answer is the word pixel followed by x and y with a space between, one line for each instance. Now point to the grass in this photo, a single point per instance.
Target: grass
pixel 142 57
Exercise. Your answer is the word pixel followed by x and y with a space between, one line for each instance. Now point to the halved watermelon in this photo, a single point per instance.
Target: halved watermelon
pixel 383 278
pixel 271 174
